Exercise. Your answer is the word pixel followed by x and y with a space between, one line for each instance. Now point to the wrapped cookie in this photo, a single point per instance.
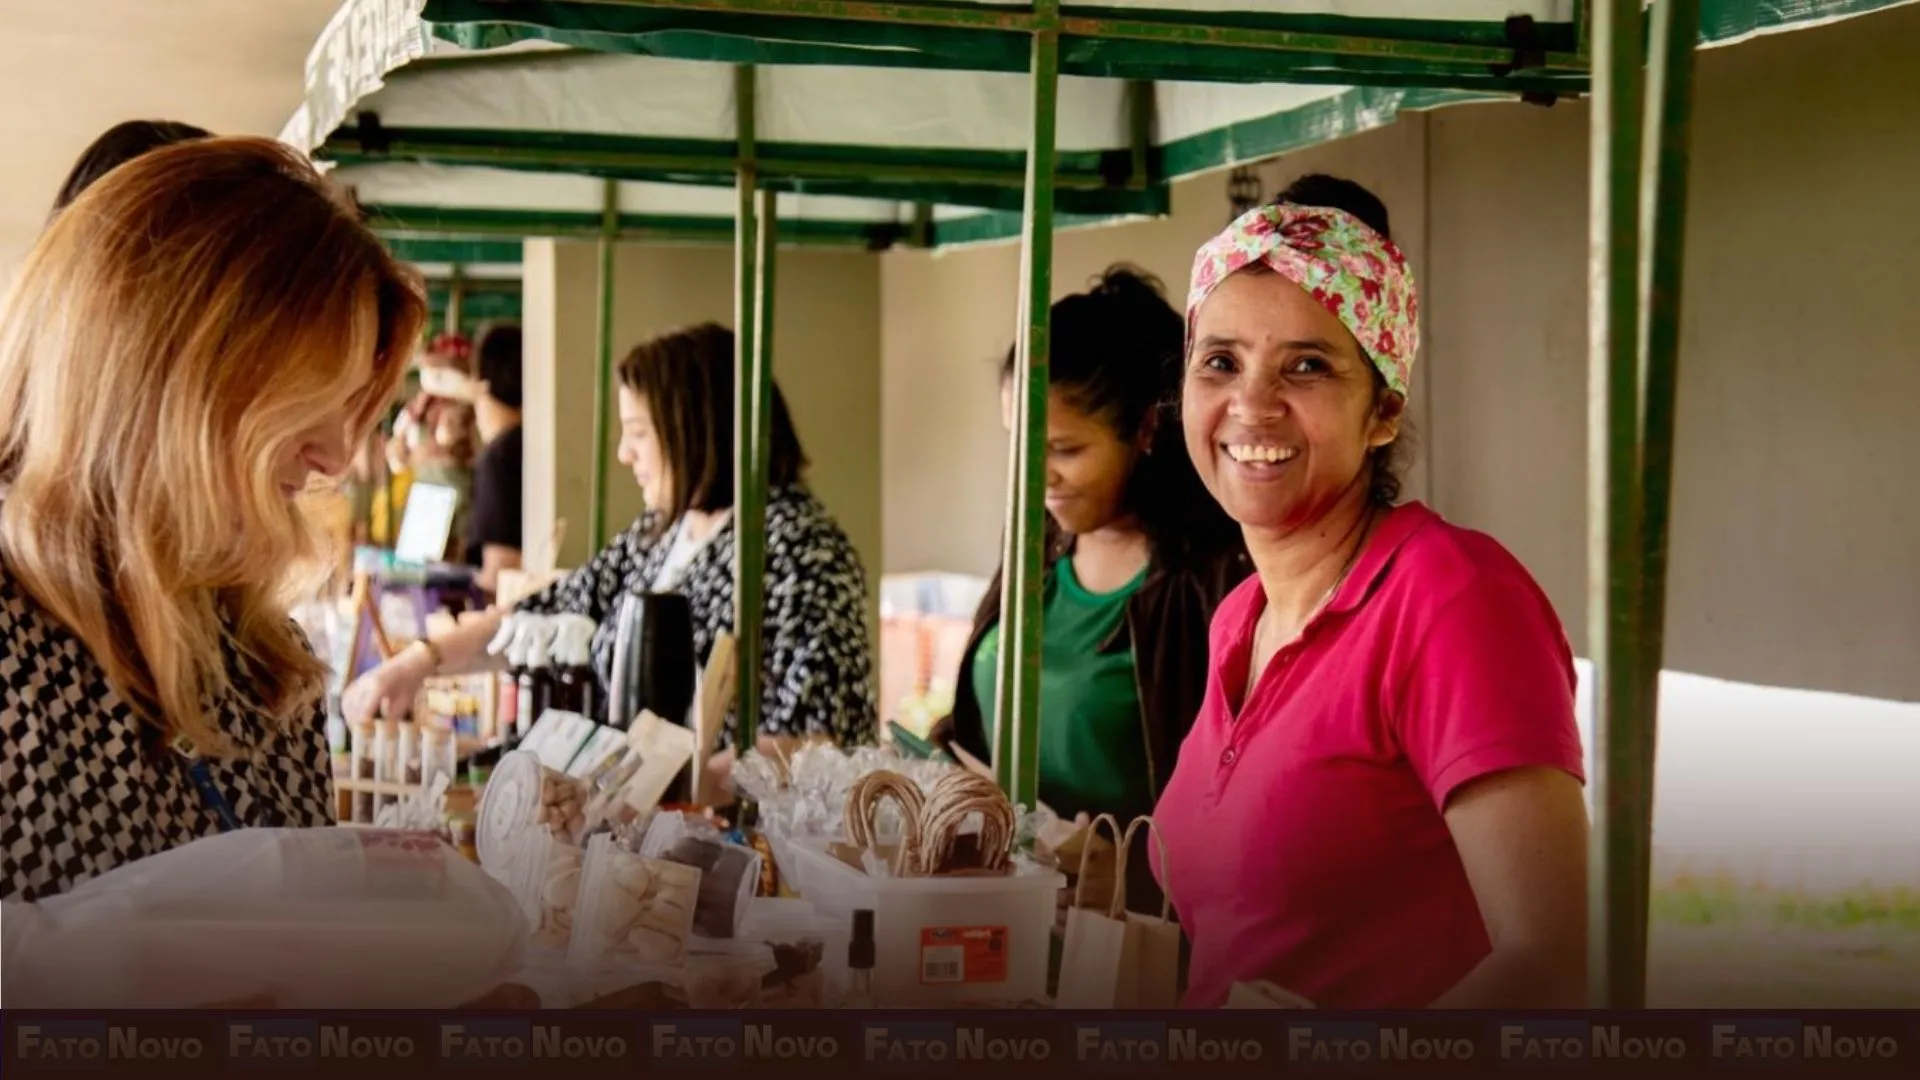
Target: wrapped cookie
pixel 523 795
pixel 546 882
pixel 631 909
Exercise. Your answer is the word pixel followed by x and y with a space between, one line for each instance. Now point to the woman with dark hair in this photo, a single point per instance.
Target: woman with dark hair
pixel 1379 804
pixel 676 434
pixel 1138 555
pixel 118 145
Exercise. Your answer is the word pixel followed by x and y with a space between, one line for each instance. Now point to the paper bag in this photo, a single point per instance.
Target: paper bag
pixel 1150 969
pixel 664 750
pixel 1079 846
pixel 1098 950
pixel 710 714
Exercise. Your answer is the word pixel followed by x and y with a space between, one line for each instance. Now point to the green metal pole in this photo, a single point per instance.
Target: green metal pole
pixel 456 292
pixel 1675 26
pixel 1140 116
pixel 749 483
pixel 1017 716
pixel 1621 744
pixel 603 373
pixel 758 458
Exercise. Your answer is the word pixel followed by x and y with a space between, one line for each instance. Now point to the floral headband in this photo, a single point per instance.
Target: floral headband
pixel 1353 271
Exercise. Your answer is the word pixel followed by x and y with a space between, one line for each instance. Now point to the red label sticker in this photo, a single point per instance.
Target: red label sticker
pixel 955 955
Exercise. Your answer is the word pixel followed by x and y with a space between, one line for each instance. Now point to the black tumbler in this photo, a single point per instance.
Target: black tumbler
pixel 653 659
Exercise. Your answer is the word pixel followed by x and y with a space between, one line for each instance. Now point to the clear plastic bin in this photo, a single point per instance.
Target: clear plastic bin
pixel 943 942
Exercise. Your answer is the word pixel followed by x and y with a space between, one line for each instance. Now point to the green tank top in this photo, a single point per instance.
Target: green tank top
pixel 1093 751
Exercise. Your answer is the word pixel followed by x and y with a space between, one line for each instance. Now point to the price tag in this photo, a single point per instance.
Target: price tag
pixel 955 955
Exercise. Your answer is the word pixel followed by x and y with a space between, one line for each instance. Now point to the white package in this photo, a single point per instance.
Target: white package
pixel 303 918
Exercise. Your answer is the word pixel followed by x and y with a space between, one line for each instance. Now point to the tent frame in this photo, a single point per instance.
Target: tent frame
pixel 1639 158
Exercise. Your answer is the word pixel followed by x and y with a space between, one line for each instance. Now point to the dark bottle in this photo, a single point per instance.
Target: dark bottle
pixel 860 960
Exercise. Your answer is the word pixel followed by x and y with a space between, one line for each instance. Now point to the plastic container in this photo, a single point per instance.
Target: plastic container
pixel 519 797
pixel 943 941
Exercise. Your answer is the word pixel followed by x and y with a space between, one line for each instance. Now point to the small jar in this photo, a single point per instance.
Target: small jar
pixel 362 767
pixel 438 754
pixel 386 738
pixel 406 754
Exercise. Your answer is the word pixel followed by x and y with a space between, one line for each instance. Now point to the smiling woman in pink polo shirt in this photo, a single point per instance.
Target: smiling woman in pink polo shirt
pixel 1379 805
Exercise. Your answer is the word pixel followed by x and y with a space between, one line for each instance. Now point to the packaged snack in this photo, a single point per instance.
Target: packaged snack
pixel 631 910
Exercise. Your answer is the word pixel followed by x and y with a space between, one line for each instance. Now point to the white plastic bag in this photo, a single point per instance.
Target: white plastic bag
pixel 304 918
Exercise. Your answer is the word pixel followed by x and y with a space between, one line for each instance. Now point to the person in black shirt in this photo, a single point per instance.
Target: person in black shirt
pixel 493 529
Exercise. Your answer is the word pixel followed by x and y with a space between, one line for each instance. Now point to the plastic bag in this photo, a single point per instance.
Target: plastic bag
pixel 631 910
pixel 545 880
pixel 727 974
pixel 305 918
pixel 729 873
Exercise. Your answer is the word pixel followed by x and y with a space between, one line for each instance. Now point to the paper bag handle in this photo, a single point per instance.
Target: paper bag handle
pixel 1086 850
pixel 1126 846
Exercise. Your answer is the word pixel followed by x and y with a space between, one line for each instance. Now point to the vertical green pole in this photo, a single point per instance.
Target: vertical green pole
pixel 749 482
pixel 1621 743
pixel 1017 715
pixel 603 371
pixel 456 298
pixel 1140 114
pixel 1675 24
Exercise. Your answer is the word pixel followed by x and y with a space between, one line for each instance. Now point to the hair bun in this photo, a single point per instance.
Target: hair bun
pixel 1124 281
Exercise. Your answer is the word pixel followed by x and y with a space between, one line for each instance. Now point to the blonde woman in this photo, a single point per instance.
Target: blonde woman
pixel 197 338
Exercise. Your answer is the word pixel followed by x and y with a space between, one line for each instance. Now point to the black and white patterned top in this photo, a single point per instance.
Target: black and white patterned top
pixel 818 676
pixel 80 790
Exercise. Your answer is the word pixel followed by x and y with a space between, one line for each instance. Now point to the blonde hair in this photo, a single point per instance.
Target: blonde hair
pixel 165 343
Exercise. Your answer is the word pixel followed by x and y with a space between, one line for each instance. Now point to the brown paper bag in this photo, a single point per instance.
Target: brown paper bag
pixel 1071 846
pixel 1098 950
pixel 1150 972
pixel 716 696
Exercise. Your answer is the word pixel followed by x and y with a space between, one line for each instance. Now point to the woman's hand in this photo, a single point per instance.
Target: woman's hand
pixel 389 689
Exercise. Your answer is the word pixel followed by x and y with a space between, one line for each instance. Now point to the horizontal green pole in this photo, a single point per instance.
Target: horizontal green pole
pixel 429 249
pixel 1014 20
pixel 472 286
pixel 394 219
pixel 717 162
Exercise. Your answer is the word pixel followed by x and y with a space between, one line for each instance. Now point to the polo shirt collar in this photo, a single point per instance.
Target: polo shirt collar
pixel 1389 533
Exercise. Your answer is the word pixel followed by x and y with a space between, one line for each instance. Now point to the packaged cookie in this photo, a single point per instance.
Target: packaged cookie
pixel 546 881
pixel 632 910
pixel 523 795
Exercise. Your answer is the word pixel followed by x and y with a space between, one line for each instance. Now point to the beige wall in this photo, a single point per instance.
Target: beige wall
pixel 1796 546
pixel 826 358
pixel 950 319
pixel 1796 530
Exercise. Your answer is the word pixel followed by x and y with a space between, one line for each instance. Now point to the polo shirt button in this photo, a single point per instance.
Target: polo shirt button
pixel 1228 757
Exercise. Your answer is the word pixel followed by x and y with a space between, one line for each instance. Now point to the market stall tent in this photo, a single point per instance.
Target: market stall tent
pixel 1640 63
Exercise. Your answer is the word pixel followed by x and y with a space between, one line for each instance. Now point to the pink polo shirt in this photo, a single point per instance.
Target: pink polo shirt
pixel 1306 843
